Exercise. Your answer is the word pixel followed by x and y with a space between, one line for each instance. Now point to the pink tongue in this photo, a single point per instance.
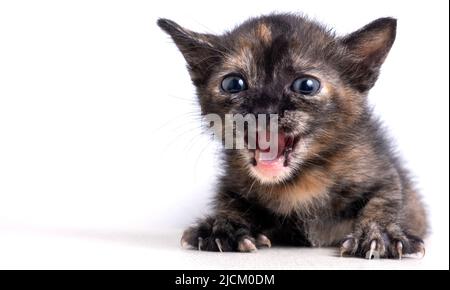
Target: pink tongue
pixel 268 168
pixel 264 155
pixel 281 142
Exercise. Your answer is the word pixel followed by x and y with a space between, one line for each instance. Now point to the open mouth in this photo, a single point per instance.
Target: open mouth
pixel 273 159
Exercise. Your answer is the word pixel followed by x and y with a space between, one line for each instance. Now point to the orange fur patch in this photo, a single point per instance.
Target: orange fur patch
pixel 310 186
pixel 263 33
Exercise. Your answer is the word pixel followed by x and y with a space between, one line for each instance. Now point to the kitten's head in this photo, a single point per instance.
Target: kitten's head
pixel 287 65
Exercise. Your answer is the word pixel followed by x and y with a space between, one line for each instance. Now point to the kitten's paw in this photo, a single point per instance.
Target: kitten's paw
pixel 222 235
pixel 374 242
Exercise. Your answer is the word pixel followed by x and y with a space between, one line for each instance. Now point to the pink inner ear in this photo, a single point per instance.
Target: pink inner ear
pixel 373 44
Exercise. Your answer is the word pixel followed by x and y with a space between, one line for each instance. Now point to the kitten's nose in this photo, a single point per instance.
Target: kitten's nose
pixel 266 113
pixel 265 104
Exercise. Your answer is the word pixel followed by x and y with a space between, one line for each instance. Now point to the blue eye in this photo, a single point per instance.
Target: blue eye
pixel 306 86
pixel 233 84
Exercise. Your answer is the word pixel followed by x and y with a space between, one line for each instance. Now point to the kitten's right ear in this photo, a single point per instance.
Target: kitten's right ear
pixel 199 50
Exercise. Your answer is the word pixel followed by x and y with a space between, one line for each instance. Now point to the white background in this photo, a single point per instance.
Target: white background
pixel 99 130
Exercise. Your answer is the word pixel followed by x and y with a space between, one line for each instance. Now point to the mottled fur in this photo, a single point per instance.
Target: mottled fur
pixel 346 183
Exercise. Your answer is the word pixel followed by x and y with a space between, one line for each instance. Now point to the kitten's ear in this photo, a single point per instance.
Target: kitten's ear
pixel 369 47
pixel 199 50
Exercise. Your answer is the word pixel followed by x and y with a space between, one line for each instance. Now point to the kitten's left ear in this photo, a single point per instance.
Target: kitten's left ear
pixel 369 47
pixel 199 50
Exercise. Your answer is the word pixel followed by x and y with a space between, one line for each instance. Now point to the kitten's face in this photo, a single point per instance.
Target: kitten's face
pixel 285 65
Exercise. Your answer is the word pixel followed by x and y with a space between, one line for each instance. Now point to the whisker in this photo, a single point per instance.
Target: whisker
pixel 198 158
pixel 168 122
pixel 192 101
pixel 171 142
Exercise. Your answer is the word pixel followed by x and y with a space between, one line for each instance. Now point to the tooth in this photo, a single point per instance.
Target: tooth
pixel 286 162
pixel 288 142
pixel 267 156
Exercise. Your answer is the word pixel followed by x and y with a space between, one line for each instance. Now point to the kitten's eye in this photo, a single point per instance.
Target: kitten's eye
pixel 233 84
pixel 306 86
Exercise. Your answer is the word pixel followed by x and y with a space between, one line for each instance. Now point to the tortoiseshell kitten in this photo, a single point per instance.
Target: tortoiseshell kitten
pixel 341 183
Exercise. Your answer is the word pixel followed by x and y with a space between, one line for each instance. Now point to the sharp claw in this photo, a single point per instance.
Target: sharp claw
pixel 399 247
pixel 345 247
pixel 373 245
pixel 263 241
pixel 200 243
pixel 422 250
pixel 342 251
pixel 185 244
pixel 219 245
pixel 246 245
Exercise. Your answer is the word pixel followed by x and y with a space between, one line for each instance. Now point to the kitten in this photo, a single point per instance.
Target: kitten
pixel 340 183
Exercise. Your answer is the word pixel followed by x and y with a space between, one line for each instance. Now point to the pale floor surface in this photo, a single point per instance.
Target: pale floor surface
pixel 48 249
